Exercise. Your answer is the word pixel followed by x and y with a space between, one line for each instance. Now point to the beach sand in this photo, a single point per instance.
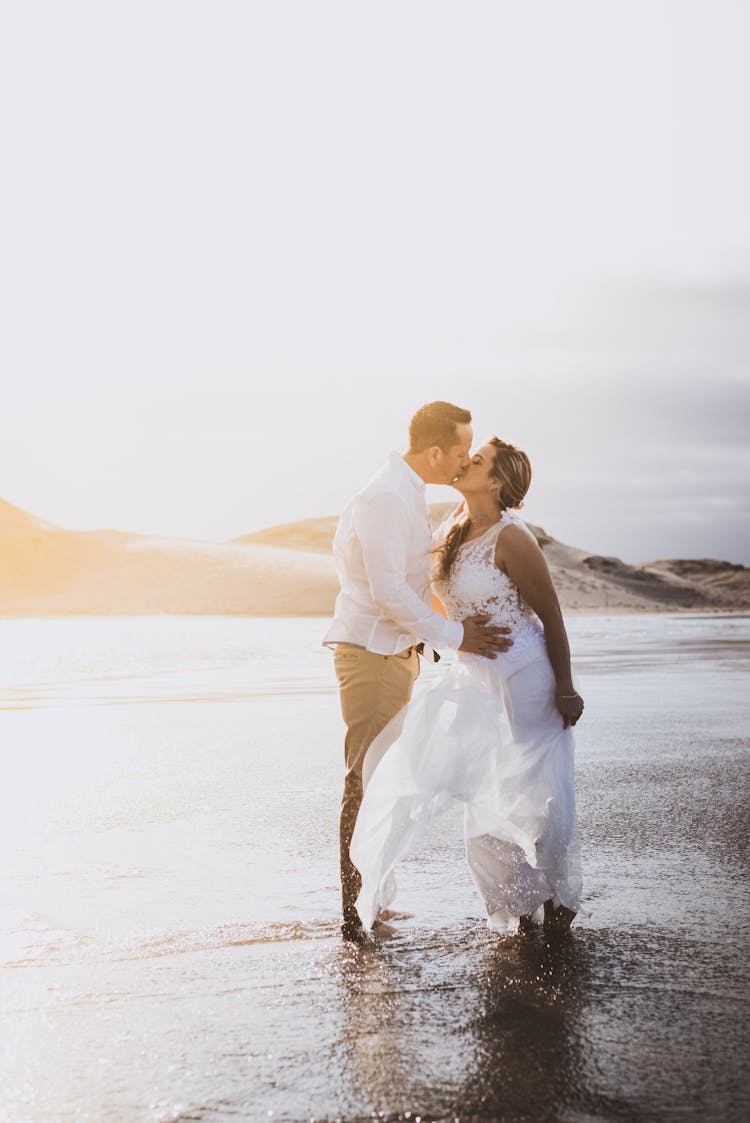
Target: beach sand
pixel 169 904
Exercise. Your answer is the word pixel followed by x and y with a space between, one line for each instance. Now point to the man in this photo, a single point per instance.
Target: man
pixel 383 616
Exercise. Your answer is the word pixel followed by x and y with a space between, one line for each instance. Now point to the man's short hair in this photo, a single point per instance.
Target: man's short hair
pixel 435 424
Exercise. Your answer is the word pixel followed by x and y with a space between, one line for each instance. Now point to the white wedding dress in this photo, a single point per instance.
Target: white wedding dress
pixel 487 733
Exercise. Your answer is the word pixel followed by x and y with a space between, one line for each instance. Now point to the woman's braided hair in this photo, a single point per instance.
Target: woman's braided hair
pixel 512 468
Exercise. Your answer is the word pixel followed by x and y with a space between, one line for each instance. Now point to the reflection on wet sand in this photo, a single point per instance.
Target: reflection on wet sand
pixel 473 1028
pixel 526 997
pixel 588 1026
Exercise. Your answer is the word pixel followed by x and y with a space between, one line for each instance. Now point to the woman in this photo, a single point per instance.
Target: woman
pixel 493 733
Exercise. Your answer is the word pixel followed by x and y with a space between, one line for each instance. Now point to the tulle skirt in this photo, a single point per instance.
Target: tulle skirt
pixel 488 734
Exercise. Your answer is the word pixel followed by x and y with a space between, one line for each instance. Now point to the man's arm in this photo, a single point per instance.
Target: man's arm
pixel 383 527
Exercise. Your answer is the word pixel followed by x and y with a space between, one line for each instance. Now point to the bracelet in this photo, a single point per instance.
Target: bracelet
pixel 567 697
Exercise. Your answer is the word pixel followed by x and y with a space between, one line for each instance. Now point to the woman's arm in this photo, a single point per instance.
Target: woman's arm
pixel 518 554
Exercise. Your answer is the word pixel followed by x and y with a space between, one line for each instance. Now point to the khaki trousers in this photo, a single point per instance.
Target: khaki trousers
pixel 373 688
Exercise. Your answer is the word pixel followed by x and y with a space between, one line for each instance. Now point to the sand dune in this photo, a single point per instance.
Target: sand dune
pixel 313 535
pixel 288 570
pixel 585 582
pixel 48 571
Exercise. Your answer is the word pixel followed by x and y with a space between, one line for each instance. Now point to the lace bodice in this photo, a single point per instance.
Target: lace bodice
pixel 476 585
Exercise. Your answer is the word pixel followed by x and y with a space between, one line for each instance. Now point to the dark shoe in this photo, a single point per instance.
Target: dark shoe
pixel 526 924
pixel 559 919
pixel 353 931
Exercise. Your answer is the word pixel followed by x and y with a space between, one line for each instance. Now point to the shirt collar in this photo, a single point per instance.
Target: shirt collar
pixel 406 471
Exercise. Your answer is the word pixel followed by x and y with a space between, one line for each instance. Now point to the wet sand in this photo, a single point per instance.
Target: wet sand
pixel 169 932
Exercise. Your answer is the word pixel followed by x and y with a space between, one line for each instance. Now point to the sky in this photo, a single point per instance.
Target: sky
pixel 240 243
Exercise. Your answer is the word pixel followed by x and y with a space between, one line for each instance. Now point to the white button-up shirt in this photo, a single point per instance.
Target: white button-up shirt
pixel 382 553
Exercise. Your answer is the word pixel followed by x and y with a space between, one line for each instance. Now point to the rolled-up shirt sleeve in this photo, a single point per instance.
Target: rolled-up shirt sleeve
pixel 383 526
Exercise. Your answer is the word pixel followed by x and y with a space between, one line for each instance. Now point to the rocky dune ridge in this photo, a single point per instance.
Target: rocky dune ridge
pixel 288 571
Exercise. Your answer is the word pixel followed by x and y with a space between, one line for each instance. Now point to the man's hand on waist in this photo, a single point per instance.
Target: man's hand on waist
pixel 483 638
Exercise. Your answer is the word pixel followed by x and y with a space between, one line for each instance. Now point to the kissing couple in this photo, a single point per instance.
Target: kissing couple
pixel 495 729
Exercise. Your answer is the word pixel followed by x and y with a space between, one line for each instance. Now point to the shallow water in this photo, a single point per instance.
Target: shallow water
pixel 168 892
